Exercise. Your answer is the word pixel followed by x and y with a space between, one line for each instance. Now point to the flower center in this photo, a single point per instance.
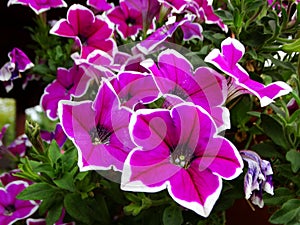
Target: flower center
pixel 130 21
pixel 100 135
pixel 83 39
pixel 9 210
pixel 179 92
pixel 182 156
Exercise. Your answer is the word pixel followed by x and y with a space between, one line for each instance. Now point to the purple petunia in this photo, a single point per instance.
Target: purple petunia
pixel 180 150
pixel 69 83
pixel 156 39
pixel 19 62
pixel 99 129
pixel 58 135
pixel 128 20
pixel 39 6
pixel 89 31
pixel 227 61
pixel 11 208
pixel 258 177
pixel 174 76
pixel 133 88
pixel 100 5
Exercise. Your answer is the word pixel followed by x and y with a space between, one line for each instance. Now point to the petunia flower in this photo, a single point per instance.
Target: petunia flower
pixel 100 5
pixel 227 61
pixel 99 129
pixel 89 31
pixel 258 177
pixel 175 76
pixel 19 62
pixel 69 83
pixel 17 147
pixel 8 177
pixel 58 135
pixel 11 208
pixel 39 6
pixel 2 133
pixel 179 150
pixel 156 39
pixel 133 88
pixel 128 20
pixel 202 8
pixel 149 8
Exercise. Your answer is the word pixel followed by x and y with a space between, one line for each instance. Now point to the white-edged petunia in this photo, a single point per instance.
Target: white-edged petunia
pixel 258 177
pixel 39 6
pixel 227 61
pixel 175 76
pixel 99 130
pixel 11 208
pixel 179 150
pixel 89 31
pixel 69 83
pixel 18 62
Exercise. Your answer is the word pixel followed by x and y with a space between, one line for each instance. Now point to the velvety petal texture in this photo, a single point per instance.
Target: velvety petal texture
pixel 99 130
pixel 128 20
pixel 174 75
pixel 100 5
pixel 179 150
pixel 11 208
pixel 227 61
pixel 39 6
pixel 133 88
pixel 69 83
pixel 89 31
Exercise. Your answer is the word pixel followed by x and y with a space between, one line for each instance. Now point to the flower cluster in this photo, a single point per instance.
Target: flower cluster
pixel 137 103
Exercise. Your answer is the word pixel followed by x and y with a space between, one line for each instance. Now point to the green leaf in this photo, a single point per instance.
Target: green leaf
pixel 274 130
pixel 281 195
pixel 292 47
pixel 54 152
pixel 172 216
pixel 38 191
pixel 293 156
pixel 78 208
pixel 267 150
pixel 289 211
pixel 66 182
pixel 54 213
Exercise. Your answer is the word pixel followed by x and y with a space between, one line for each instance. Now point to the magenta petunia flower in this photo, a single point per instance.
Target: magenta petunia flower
pixel 180 150
pixel 11 208
pixel 89 31
pixel 202 8
pixel 258 177
pixel 227 61
pixel 156 39
pixel 133 88
pixel 69 83
pixel 17 147
pixel 58 135
pixel 99 130
pixel 39 6
pixel 8 177
pixel 19 62
pixel 149 8
pixel 100 5
pixel 205 87
pixel 128 20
